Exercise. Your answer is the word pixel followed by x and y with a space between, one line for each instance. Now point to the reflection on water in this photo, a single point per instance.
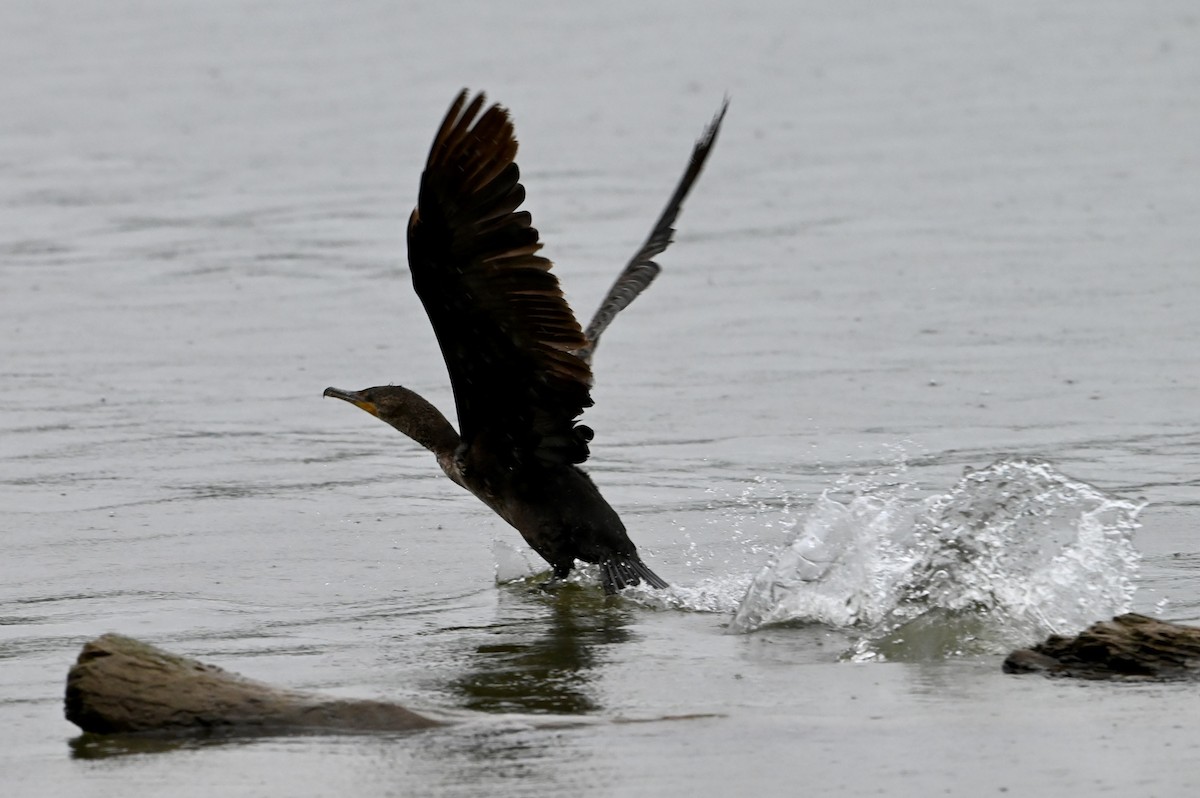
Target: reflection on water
pixel 543 663
pixel 102 746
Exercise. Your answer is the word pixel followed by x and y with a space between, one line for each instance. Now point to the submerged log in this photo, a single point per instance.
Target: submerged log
pixel 1130 647
pixel 121 685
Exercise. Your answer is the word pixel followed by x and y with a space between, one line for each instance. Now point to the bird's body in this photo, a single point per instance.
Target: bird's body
pixel 519 363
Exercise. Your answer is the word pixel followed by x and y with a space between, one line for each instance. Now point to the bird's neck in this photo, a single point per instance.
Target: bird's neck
pixel 424 423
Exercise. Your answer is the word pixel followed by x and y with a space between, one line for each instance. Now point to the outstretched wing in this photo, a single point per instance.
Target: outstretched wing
pixel 505 330
pixel 641 269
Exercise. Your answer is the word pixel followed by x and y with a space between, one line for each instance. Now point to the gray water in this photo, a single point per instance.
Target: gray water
pixel 929 239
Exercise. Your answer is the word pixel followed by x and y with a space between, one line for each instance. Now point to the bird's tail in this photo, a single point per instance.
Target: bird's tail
pixel 622 572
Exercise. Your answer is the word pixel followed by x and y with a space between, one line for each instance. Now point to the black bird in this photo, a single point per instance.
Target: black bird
pixel 519 364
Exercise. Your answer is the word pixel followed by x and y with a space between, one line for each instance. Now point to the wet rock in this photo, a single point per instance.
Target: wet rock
pixel 1130 647
pixel 121 685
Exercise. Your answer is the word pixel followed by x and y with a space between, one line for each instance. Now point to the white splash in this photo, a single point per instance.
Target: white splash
pixel 1012 549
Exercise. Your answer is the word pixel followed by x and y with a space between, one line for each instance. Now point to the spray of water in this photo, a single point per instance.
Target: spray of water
pixel 1011 552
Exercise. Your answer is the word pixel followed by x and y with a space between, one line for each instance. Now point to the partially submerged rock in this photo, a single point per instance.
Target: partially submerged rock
pixel 121 685
pixel 1129 647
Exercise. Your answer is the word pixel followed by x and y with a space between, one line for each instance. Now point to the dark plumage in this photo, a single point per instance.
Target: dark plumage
pixel 519 363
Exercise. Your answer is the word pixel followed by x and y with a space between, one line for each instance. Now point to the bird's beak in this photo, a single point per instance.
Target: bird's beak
pixel 354 398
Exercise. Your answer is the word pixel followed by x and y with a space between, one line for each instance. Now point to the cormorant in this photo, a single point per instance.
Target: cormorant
pixel 519 363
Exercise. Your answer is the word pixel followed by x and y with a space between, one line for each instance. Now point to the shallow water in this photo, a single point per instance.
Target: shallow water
pixel 941 236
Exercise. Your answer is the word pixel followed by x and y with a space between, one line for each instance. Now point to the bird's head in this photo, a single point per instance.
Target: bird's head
pixel 406 411
pixel 383 401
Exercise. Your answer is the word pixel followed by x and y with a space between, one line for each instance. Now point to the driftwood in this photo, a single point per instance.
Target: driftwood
pixel 121 685
pixel 1129 647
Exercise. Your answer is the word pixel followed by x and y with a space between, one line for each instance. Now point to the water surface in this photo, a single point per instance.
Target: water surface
pixel 936 236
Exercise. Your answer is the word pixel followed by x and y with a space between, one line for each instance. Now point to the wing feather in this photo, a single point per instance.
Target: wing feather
pixel 504 328
pixel 641 269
